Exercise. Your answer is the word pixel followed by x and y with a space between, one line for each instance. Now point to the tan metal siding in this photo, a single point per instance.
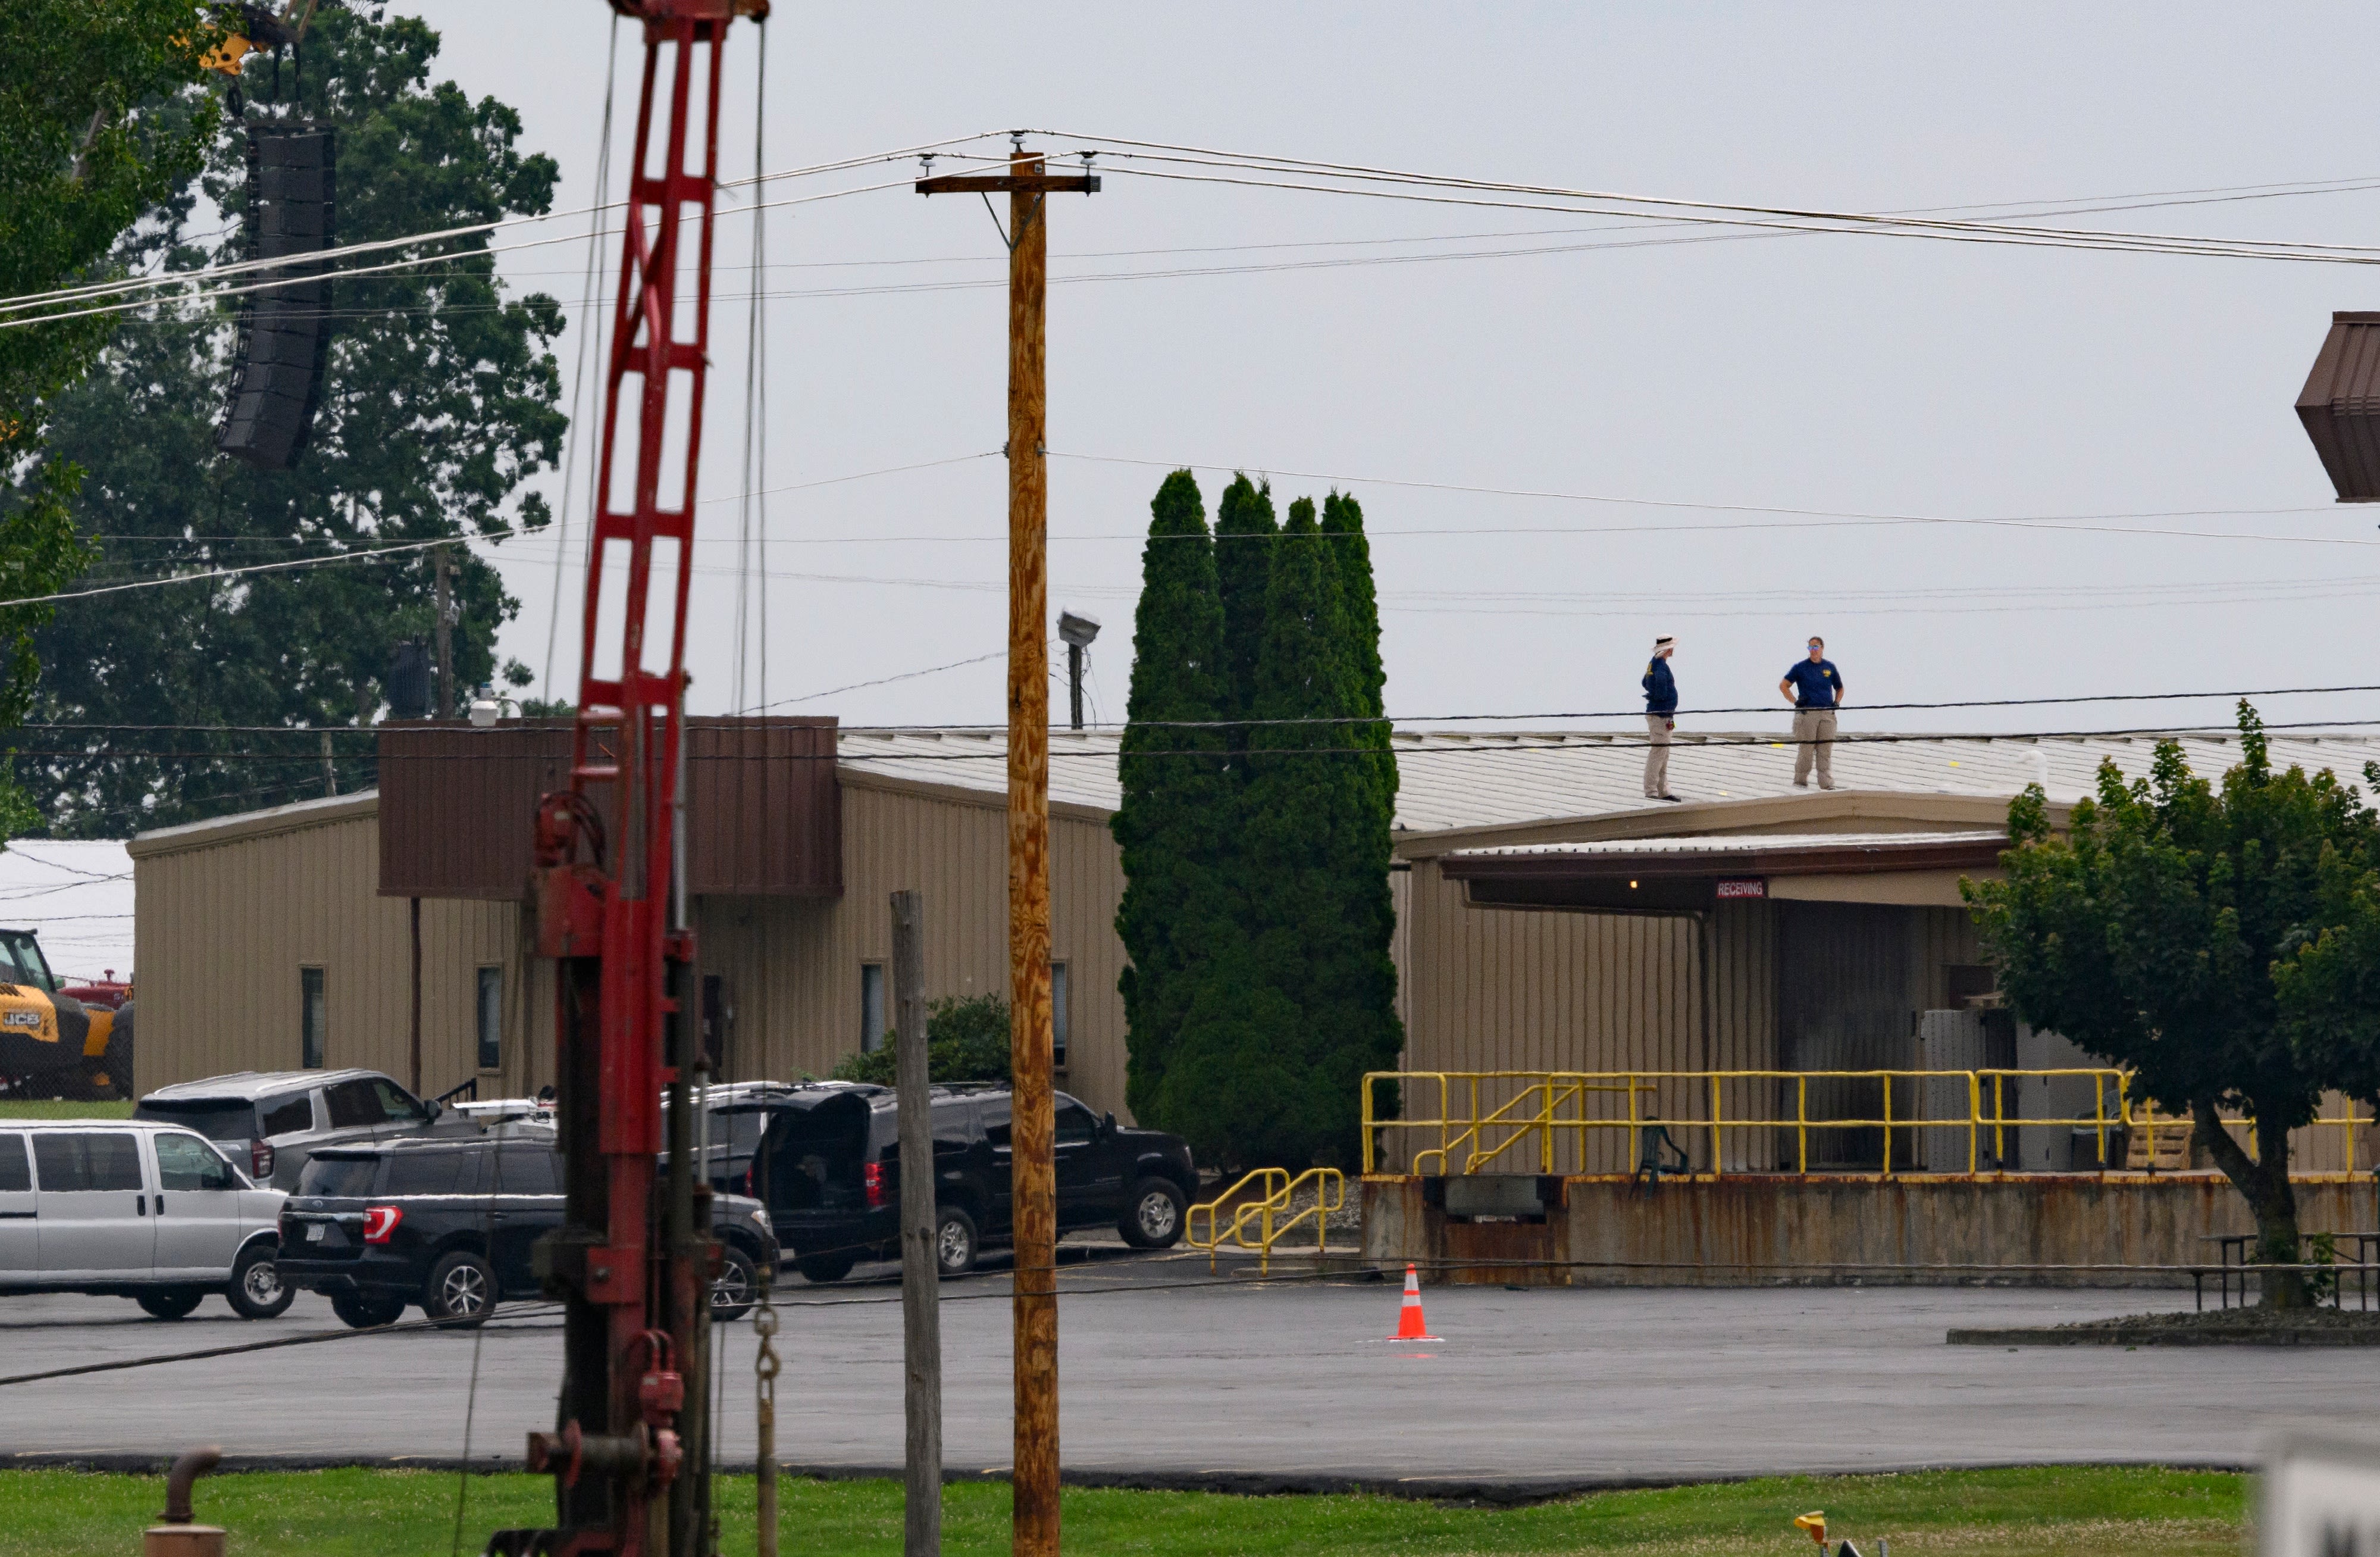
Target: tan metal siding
pixel 796 964
pixel 1493 989
pixel 224 929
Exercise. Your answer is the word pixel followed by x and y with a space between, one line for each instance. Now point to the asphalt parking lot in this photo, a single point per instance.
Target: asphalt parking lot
pixel 1286 1384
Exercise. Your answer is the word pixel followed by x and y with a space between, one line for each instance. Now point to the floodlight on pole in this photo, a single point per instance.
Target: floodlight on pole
pixel 1077 631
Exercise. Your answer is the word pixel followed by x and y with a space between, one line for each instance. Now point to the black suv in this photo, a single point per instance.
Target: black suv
pixel 827 1163
pixel 449 1225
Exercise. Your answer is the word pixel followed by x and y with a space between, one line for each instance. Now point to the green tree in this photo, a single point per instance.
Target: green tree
pixel 1313 843
pixel 1343 519
pixel 967 1040
pixel 2154 932
pixel 1175 824
pixel 2330 992
pixel 441 398
pixel 97 127
pixel 1245 535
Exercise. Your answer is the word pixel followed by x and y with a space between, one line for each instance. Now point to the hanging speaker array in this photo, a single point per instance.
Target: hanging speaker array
pixel 285 329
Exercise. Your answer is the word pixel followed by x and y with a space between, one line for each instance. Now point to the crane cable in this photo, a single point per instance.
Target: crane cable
pixel 591 323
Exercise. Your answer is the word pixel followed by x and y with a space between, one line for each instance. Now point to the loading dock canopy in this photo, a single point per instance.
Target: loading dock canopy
pixel 1692 875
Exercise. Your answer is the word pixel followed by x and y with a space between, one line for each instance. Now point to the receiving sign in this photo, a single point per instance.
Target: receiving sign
pixel 2319 1497
pixel 1753 887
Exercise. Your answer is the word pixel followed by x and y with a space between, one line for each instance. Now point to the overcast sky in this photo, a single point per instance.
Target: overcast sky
pixel 1869 374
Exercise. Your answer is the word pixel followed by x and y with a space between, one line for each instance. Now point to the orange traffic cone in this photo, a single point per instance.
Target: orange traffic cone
pixel 1409 1320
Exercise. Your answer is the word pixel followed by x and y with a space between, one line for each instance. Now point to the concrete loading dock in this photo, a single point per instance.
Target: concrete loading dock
pixel 1825 1230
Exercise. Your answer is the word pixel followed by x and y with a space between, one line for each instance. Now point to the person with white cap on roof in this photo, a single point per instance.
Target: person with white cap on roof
pixel 1660 718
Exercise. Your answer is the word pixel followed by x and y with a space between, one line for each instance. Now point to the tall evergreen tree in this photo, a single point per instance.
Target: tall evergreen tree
pixel 1272 1074
pixel 441 400
pixel 1174 825
pixel 1244 533
pixel 1343 518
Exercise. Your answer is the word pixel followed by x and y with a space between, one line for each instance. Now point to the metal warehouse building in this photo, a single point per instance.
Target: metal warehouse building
pixel 1549 920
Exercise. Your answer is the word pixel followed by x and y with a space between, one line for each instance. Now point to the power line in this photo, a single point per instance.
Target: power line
pixel 309 269
pixel 1788 217
pixel 1522 742
pixel 1882 224
pixel 361 554
pixel 316 731
pixel 120 286
pixel 1833 518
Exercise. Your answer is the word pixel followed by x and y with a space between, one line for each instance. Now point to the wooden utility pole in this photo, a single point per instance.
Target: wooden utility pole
pixel 921 1276
pixel 1032 1126
pixel 445 638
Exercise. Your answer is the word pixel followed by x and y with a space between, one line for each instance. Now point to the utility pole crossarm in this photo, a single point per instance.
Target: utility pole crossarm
pixel 1010 184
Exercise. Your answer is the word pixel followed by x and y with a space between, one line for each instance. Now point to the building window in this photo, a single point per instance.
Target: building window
pixel 490 1015
pixel 871 1007
pixel 1058 1003
pixel 313 1018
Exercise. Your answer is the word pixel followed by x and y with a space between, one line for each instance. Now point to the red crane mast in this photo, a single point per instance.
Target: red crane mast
pixel 632 1262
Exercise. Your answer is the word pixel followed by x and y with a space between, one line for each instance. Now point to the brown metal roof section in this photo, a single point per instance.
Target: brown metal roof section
pixel 457 804
pixel 1822 859
pixel 763 812
pixel 2340 405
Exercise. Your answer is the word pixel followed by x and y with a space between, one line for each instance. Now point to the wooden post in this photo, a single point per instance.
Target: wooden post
pixel 1033 1176
pixel 921 1297
pixel 416 1071
pixel 1032 1126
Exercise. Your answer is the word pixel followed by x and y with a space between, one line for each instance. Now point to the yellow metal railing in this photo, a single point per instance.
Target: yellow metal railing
pixel 1264 1219
pixel 1522 1133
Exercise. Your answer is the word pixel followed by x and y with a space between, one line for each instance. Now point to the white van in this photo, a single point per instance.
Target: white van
pixel 135 1209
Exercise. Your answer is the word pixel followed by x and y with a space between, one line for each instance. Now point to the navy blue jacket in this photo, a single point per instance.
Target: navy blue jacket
pixel 1660 688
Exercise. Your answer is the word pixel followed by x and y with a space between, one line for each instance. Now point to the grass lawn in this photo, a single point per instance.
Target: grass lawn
pixel 2107 1511
pixel 52 1108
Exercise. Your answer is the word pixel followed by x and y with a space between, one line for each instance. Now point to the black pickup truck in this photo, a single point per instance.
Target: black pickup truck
pixel 827 1163
pixel 449 1225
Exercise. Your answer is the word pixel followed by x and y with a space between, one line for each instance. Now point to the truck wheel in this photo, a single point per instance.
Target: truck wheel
pixel 954 1240
pixel 1152 1215
pixel 112 1075
pixel 737 1286
pixel 825 1267
pixel 359 1313
pixel 461 1289
pixel 169 1303
pixel 257 1290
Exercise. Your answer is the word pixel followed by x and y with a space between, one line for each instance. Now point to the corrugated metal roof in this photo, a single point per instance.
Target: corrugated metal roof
pixel 1453 779
pixel 1748 843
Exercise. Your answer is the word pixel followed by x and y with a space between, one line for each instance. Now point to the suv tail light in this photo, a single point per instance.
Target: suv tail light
pixel 380 1221
pixel 873 1177
pixel 260 1160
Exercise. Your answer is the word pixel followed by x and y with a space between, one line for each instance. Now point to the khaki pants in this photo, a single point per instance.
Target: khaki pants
pixel 1814 735
pixel 1657 756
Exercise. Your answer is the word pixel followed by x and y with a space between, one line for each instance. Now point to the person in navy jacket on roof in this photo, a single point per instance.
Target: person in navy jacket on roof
pixel 1815 688
pixel 1660 718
